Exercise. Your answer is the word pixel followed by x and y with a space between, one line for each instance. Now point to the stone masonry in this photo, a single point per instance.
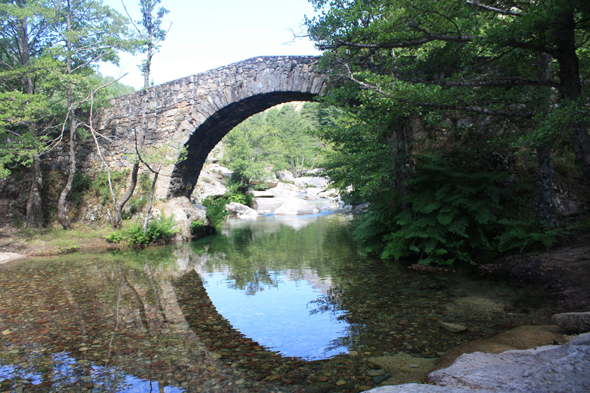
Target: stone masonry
pixel 198 111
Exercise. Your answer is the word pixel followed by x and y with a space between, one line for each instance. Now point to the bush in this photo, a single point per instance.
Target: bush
pixel 216 212
pixel 157 230
pixel 116 237
pixel 196 225
pixel 80 184
pixel 100 184
pixel 199 229
pixel 455 214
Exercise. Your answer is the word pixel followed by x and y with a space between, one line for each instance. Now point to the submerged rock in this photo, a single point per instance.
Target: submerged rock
pixel 297 207
pixel 452 327
pixel 523 337
pixel 573 322
pixel 404 368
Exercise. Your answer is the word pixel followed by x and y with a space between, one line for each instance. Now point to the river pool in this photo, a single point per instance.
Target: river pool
pixel 268 305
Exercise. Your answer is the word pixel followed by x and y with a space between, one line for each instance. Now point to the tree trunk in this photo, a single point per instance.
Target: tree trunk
pixel 543 186
pixel 401 145
pixel 34 204
pixel 117 222
pixel 571 87
pixel 149 207
pixel 62 215
pixel 544 203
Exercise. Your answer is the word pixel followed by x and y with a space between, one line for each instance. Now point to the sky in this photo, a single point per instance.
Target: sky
pixel 206 34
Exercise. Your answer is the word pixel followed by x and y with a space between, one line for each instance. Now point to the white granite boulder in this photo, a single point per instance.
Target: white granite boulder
pixel 241 211
pixel 296 206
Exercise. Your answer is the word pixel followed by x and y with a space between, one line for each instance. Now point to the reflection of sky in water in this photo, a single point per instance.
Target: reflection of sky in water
pixel 272 223
pixel 278 317
pixel 68 375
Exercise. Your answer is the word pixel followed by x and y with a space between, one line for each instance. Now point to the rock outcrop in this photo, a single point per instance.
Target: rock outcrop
pixel 241 211
pixel 573 322
pixel 546 369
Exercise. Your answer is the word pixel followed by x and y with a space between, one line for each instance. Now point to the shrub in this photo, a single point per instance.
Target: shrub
pixel 196 225
pixel 80 184
pixel 116 237
pixel 157 230
pixel 216 212
pixel 455 214
pixel 100 184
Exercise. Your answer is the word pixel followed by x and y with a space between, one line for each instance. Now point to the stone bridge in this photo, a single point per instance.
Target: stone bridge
pixel 198 111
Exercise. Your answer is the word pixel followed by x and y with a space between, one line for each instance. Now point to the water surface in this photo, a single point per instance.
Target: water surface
pixel 273 304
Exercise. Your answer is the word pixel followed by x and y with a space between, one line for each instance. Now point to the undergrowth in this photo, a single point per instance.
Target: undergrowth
pixel 159 230
pixel 455 214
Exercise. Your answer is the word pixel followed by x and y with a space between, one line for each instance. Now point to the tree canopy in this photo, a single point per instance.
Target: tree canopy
pixel 469 86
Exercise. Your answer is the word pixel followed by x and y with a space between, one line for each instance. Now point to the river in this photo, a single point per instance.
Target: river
pixel 271 304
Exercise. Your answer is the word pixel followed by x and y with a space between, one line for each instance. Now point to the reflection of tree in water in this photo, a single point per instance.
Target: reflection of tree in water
pixel 97 323
pixel 254 260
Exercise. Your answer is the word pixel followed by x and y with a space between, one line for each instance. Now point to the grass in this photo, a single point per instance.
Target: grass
pixel 59 241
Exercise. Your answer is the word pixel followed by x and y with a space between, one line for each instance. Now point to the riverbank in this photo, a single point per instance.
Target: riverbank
pixel 564 273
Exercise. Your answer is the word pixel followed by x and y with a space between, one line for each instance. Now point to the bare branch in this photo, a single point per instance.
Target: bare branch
pixel 494 9
pixel 466 108
pixel 490 82
pixel 402 44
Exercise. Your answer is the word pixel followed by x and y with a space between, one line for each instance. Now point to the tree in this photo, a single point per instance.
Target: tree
pixel 152 35
pixel 278 138
pixel 515 66
pixel 27 86
pixel 479 58
pixel 89 32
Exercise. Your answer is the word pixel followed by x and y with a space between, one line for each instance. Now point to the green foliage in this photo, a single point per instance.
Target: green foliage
pixel 80 184
pixel 455 214
pixel 529 235
pixel 157 231
pixel 216 212
pixel 196 225
pixel 100 184
pixel 116 237
pixel 115 88
pixel 278 138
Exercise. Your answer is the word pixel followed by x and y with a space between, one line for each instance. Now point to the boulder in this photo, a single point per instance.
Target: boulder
pixel 285 190
pixel 286 176
pixel 311 181
pixel 184 213
pixel 552 368
pixel 523 337
pixel 241 211
pixel 221 170
pixel 296 206
pixel 546 369
pixel 573 322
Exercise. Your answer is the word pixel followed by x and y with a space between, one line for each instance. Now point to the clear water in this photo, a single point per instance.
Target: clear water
pixel 273 304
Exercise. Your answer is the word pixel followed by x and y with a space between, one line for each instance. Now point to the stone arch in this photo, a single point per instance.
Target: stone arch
pixel 199 110
pixel 186 173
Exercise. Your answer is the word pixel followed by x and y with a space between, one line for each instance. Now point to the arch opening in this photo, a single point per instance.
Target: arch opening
pixel 205 137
